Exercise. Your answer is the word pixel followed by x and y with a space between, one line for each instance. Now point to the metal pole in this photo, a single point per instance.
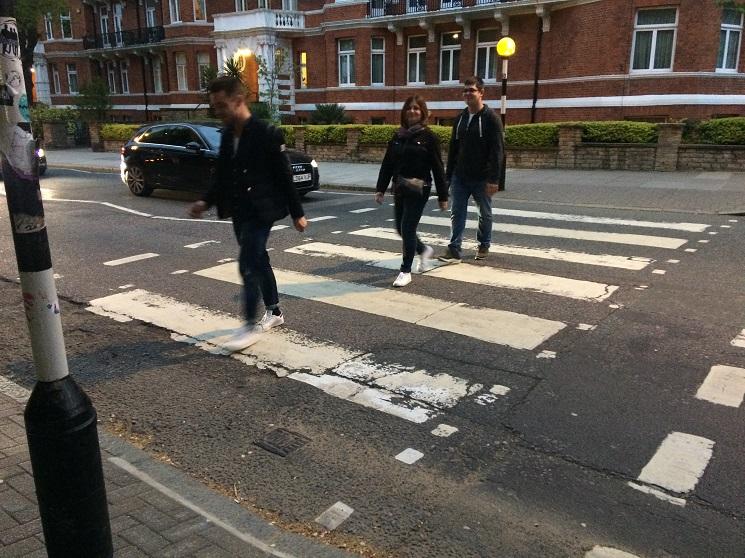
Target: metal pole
pixel 503 111
pixel 60 419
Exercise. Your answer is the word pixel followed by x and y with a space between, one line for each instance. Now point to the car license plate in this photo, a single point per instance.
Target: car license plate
pixel 301 177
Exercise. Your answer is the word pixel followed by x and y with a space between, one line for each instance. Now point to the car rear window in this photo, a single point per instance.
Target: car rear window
pixel 212 135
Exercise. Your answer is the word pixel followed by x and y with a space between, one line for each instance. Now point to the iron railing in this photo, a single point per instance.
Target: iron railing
pixel 125 38
pixel 380 8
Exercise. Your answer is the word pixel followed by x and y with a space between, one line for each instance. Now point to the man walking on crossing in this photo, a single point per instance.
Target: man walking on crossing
pixel 474 168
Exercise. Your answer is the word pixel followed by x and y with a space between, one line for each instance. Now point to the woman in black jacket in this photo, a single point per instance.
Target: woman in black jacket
pixel 412 160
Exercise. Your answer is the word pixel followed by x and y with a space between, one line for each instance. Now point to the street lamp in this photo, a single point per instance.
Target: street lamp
pixel 505 48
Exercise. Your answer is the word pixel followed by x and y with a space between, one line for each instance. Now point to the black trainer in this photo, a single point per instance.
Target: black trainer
pixel 449 257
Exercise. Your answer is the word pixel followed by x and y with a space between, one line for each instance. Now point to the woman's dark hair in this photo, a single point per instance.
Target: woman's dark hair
pixel 414 100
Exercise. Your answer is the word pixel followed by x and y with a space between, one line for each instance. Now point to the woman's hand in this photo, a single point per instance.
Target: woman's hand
pixel 379 196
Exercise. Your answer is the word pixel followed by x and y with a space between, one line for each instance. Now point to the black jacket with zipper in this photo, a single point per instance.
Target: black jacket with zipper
pixel 414 156
pixel 477 148
pixel 256 182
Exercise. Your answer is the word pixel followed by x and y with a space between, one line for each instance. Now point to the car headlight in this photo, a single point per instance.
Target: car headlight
pixel 313 164
pixel 40 152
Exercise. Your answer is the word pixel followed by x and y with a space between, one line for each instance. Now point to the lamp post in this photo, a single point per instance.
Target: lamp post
pixel 505 49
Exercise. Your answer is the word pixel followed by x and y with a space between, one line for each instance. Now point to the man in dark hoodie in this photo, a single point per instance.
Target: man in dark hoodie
pixel 253 186
pixel 474 168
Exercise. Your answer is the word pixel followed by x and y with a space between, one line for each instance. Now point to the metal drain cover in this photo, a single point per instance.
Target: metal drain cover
pixel 282 442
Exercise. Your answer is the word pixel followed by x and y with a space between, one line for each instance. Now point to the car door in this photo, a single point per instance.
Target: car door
pixel 185 168
pixel 149 153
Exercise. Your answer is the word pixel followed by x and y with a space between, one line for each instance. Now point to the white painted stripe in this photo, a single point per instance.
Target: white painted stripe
pixel 615 238
pixel 659 271
pixel 444 430
pixel 467 273
pixel 608 552
pixel 200 244
pixel 679 462
pixel 604 260
pixel 392 388
pixel 364 210
pixel 739 340
pixel 724 385
pixel 176 497
pixel 323 218
pixel 689 227
pixel 131 259
pixel 334 516
pixel 515 330
pixel 179 271
pixel 409 456
pixel 279 227
pixel 659 494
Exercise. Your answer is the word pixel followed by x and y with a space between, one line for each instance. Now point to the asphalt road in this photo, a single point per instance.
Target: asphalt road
pixel 575 402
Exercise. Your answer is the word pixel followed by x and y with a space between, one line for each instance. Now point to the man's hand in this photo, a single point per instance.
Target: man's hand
pixel 196 209
pixel 301 223
pixel 443 205
pixel 379 196
pixel 491 188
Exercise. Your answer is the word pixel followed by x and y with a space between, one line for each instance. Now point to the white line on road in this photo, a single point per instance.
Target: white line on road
pixel 615 238
pixel 679 462
pixel 739 340
pixel 409 456
pixel 131 259
pixel 364 210
pixel 608 552
pixel 334 516
pixel 203 243
pixel 515 330
pixel 323 218
pixel 724 385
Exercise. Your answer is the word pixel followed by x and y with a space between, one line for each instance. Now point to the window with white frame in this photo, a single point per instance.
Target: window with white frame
pixel 449 57
pixel 66 25
pixel 486 54
pixel 654 39
pixel 262 4
pixel 111 76
pixel 124 75
pixel 200 10
pixel 377 61
pixel 346 61
pixel 150 16
pixel 203 63
pixel 48 27
pixel 173 7
pixel 157 75
pixel 240 5
pixel 417 59
pixel 103 19
pixel 72 78
pixel 729 39
pixel 56 88
pixel 118 8
pixel 181 83
pixel 303 69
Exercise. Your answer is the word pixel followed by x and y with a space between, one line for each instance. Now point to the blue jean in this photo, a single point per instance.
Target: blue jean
pixel 407 209
pixel 254 267
pixel 460 191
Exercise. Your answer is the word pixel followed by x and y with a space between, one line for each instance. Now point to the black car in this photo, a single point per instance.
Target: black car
pixel 183 156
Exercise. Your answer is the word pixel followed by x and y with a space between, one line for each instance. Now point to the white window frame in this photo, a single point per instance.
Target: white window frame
pixel 174 9
pixel 62 19
pixel 203 5
pixel 55 80
pixel 289 5
pixel 490 48
pixel 48 27
pixel 124 75
pixel 654 28
pixel 448 51
pixel 730 29
pixel 150 16
pixel 72 78
pixel 118 16
pixel 262 4
pixel 349 55
pixel 421 60
pixel 203 61
pixel 103 23
pixel 380 52
pixel 157 75
pixel 240 5
pixel 111 77
pixel 182 82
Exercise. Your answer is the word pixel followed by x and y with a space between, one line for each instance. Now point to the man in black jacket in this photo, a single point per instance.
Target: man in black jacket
pixel 474 168
pixel 253 186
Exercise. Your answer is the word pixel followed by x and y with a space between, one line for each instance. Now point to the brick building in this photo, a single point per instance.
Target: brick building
pixel 576 59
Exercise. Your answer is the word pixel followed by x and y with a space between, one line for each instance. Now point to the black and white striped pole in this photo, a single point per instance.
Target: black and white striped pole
pixel 60 419
pixel 505 49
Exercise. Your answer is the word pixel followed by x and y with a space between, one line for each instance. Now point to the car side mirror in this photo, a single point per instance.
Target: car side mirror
pixel 193 146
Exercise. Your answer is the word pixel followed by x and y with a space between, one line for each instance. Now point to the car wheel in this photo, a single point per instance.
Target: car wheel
pixel 136 181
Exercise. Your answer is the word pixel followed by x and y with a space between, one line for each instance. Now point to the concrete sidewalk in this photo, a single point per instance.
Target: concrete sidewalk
pixel 155 510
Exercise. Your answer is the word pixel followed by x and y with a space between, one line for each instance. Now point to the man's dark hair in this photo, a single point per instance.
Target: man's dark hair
pixel 230 85
pixel 476 81
pixel 414 100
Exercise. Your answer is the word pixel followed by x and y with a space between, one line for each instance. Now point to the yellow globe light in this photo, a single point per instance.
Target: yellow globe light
pixel 506 47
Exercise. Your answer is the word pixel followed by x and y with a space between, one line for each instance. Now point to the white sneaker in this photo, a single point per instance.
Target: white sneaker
pixel 426 259
pixel 243 338
pixel 402 280
pixel 270 320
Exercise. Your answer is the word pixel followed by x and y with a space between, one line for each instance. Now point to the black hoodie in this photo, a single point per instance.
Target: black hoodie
pixel 477 148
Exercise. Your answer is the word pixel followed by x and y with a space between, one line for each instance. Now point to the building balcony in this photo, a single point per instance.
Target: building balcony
pixel 126 38
pixel 252 20
pixel 382 8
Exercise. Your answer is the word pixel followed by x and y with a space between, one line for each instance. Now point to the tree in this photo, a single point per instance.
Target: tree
pixel 28 14
pixel 270 74
pixel 94 100
pixel 736 4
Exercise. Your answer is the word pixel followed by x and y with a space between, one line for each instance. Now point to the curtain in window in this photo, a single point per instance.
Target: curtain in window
pixel 661 16
pixel 663 52
pixel 734 42
pixel 642 50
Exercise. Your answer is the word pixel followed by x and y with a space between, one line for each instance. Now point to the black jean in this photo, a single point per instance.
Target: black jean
pixel 408 208
pixel 254 266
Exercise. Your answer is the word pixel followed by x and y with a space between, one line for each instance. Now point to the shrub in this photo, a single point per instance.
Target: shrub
pixel 331 135
pixel 443 133
pixel 377 133
pixel 619 132
pixel 118 132
pixel 43 113
pixel 532 135
pixel 720 131
pixel 330 113
pixel 261 111
pixel 289 132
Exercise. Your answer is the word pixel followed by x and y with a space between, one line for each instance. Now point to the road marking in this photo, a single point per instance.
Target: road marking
pixel 409 456
pixel 659 494
pixel 608 552
pixel 605 260
pixel 364 210
pixel 179 272
pixel 659 271
pixel 515 330
pixel 739 340
pixel 334 516
pixel 724 385
pixel 279 227
pixel 414 395
pixel 204 243
pixel 688 227
pixel 131 259
pixel 679 463
pixel 615 238
pixel 323 218
pixel 444 430
pixel 691 250
pixel 467 273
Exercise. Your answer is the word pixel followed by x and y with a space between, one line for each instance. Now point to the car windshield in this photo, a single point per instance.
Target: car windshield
pixel 212 135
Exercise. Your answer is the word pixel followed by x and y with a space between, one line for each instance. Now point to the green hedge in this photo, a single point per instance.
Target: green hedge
pixel 532 135
pixel 330 134
pixel 289 132
pixel 619 132
pixel 118 132
pixel 720 131
pixel 42 113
